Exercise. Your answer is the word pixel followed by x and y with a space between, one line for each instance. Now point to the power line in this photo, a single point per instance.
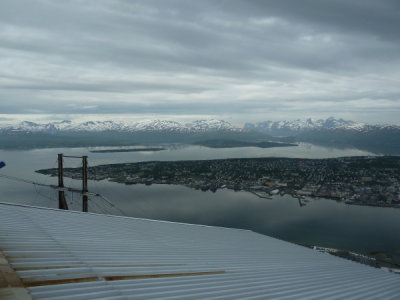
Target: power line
pixel 61 188
pixel 101 209
pixel 72 190
pixel 111 204
pixel 69 189
pixel 38 193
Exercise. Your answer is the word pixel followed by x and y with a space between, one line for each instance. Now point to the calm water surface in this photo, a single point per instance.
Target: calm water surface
pixel 320 222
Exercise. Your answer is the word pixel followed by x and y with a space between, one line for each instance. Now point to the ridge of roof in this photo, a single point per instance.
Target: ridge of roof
pixel 123 217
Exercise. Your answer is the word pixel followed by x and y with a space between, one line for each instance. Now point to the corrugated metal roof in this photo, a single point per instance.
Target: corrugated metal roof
pixel 72 255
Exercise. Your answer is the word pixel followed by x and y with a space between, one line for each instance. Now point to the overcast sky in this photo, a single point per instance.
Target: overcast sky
pixel 248 60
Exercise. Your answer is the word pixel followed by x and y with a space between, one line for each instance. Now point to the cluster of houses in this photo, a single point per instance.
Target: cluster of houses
pixel 355 180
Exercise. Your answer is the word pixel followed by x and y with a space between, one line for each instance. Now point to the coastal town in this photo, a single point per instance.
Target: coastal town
pixel 371 181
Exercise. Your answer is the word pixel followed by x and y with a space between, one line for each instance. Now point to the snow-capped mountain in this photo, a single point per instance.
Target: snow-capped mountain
pixel 329 132
pixel 144 125
pixel 157 125
pixel 206 125
pixel 298 126
pixel 269 127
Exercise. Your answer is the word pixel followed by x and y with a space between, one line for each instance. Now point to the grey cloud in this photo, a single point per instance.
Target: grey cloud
pixel 196 56
pixel 379 18
pixel 107 87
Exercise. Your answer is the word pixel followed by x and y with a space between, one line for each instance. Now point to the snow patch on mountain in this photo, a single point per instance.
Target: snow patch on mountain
pixel 269 127
pixel 144 125
pixel 206 125
pixel 307 124
pixel 297 126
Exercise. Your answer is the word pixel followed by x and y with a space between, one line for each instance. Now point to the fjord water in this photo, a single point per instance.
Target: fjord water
pixel 321 222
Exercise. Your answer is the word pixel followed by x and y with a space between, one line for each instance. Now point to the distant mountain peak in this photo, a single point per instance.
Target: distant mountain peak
pixel 298 125
pixel 109 125
pixel 282 127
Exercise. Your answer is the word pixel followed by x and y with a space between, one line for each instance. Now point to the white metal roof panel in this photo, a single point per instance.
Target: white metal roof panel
pixel 72 255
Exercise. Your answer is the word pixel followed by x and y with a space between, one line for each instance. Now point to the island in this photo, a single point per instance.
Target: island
pixel 152 149
pixel 225 143
pixel 366 180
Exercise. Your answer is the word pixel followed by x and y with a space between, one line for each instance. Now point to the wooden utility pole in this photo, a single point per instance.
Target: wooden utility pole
pixel 84 184
pixel 62 203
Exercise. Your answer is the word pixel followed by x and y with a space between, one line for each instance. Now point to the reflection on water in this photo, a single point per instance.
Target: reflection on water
pixel 320 222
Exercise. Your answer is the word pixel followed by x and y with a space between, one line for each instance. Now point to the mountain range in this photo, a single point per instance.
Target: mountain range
pixel 332 132
pixel 301 126
pixel 380 138
pixel 269 127
pixel 119 126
